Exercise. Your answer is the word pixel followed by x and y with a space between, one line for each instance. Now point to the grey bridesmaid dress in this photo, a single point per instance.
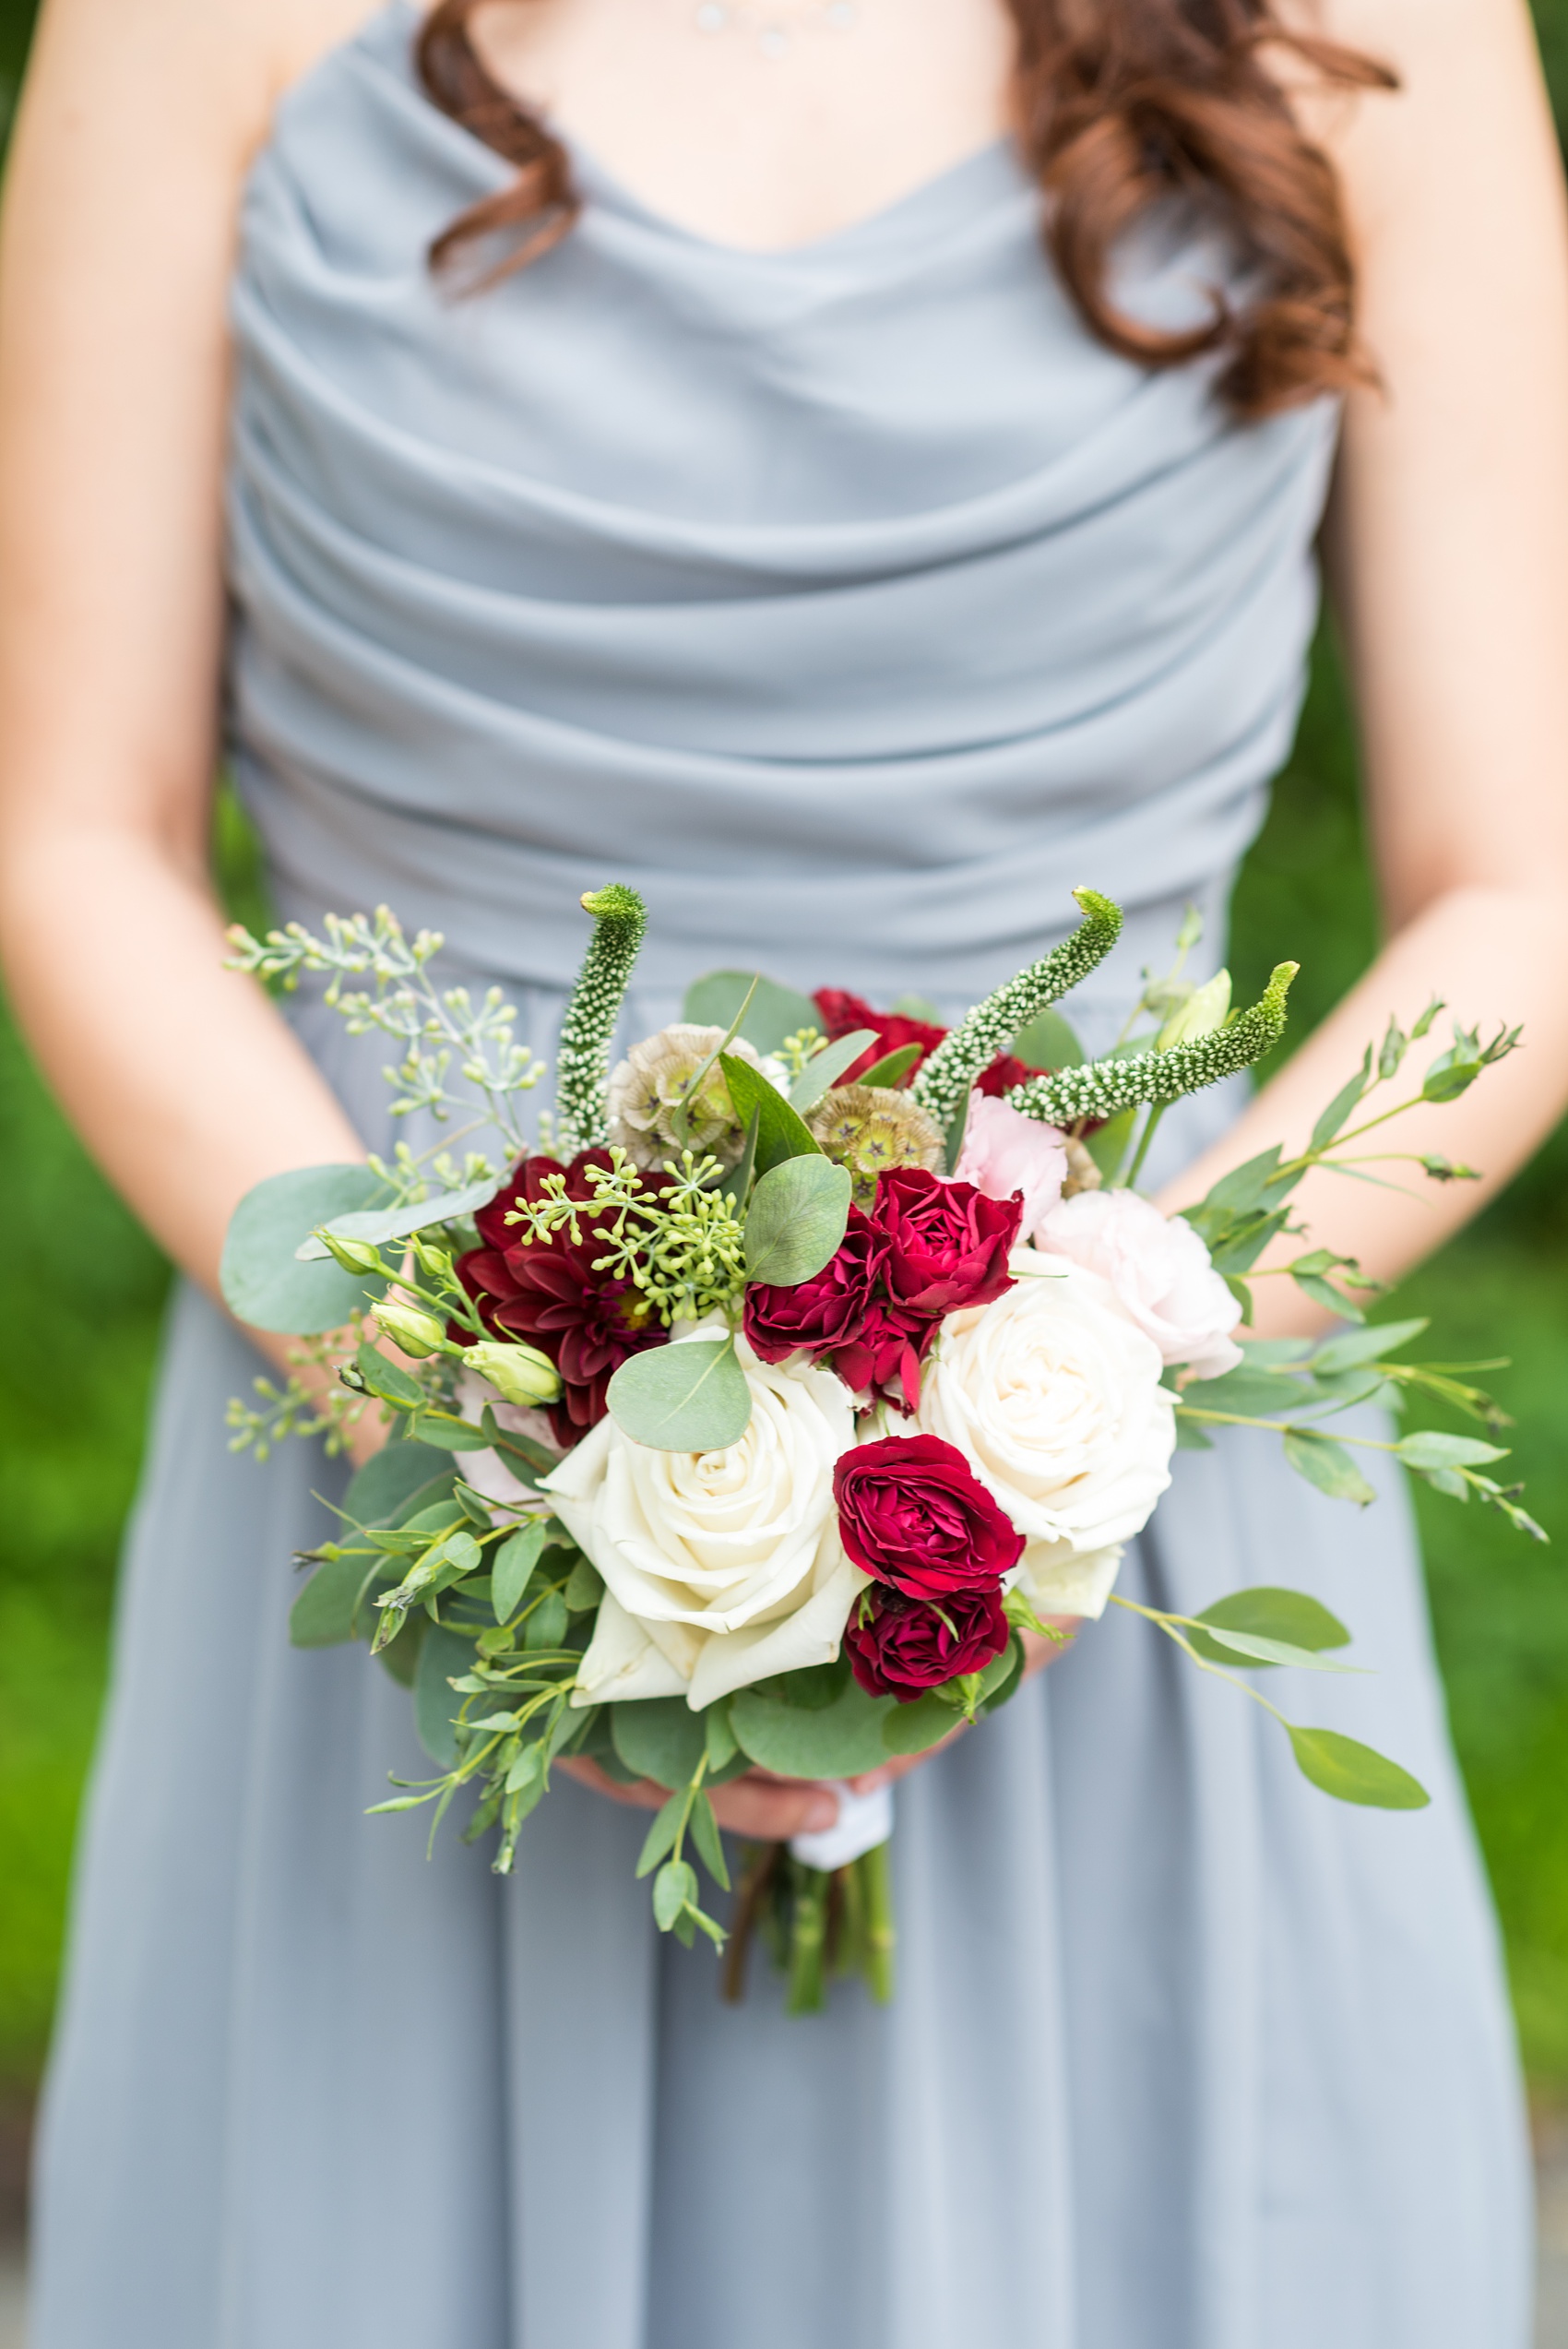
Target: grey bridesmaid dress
pixel 853 603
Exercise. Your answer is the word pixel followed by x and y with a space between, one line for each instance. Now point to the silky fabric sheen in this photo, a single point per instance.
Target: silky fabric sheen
pixel 854 604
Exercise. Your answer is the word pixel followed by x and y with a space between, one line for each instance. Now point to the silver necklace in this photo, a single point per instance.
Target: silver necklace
pixel 775 26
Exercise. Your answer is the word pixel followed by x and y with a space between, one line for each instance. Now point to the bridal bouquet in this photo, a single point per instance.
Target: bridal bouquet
pixel 813 1357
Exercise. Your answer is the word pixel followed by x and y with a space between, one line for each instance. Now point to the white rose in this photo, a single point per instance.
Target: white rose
pixel 1159 1269
pixel 1052 1395
pixel 719 1567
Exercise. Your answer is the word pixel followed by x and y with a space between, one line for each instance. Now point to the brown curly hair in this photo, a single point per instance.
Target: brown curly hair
pixel 1119 104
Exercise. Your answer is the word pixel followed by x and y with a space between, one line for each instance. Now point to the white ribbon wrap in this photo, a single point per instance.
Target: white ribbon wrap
pixel 863 1822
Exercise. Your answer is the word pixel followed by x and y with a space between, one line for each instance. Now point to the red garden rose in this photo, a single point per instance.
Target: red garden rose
pixel 547 1292
pixel 843 1312
pixel 827 1311
pixel 948 1243
pixel 900 1647
pixel 912 1513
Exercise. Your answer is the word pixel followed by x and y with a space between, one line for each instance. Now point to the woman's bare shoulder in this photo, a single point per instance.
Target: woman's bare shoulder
pixel 216 66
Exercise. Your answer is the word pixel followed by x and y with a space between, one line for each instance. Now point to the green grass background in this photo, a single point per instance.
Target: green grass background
pixel 81 1291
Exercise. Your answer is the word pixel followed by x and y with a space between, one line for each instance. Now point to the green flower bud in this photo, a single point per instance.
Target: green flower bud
pixel 519 1373
pixel 411 1330
pixel 1206 1009
pixel 354 1256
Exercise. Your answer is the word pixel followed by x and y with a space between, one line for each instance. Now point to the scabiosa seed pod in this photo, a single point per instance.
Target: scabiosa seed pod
pixel 870 1129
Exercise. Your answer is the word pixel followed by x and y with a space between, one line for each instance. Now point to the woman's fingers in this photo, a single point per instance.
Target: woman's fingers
pixel 644 1795
pixel 767 1809
pixel 770 1810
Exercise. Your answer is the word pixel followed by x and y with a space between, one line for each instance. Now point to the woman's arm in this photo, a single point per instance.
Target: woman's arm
pixel 1449 567
pixel 137 122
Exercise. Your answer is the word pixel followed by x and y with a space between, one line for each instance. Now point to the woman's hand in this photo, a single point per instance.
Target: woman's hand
pixel 764 1808
pixel 770 1810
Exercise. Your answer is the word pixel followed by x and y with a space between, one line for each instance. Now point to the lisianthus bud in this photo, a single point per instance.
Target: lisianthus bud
pixel 1206 1009
pixel 412 1331
pixel 354 1256
pixel 519 1373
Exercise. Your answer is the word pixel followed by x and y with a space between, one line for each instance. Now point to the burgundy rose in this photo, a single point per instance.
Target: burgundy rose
pixel 900 1647
pixel 948 1243
pixel 547 1292
pixel 842 1013
pixel 912 1513
pixel 827 1311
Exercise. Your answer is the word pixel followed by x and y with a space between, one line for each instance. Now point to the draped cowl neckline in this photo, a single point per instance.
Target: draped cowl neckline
pixel 850 600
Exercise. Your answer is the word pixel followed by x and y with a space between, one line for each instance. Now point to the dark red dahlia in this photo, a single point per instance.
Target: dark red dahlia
pixel 900 1647
pixel 547 1292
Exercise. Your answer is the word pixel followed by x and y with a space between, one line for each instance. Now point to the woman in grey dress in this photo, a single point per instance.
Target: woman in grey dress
pixel 801 541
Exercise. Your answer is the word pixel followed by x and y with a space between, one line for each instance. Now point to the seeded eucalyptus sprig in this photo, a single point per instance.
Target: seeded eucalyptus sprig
pixel 942 1084
pixel 1104 1088
pixel 582 1061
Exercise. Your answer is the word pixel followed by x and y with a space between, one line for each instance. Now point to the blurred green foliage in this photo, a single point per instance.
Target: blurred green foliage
pixel 86 1288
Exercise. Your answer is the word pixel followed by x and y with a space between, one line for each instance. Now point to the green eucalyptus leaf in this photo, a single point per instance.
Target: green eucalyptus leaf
pixel 775 1013
pixel 585 1587
pixel 840 1741
pixel 1048 1042
pixel 1428 1448
pixel 718 1735
pixel 385 1379
pixel 659 1737
pixel 1354 1347
pixel 444 1658
pixel 797 1221
pixel 546 1624
pixel 891 1069
pixel 264 1282
pixel 1353 1773
pixel 781 1133
pixel 1190 1437
pixel 687 1398
pixel 659 1839
pixel 390 1479
pixel 1267 1612
pixel 379 1225
pixel 824 1068
pixel 1254 1648
pixel 512 1568
pixel 447 1433
pixel 738 1182
pixel 324 1614
pixel 915 1728
pixel 1327 1465
pixel 705 1835
pixel 1339 1108
pixel 1244 1191
pixel 674 1891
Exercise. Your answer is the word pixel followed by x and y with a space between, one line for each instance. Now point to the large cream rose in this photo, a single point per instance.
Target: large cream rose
pixel 1052 1395
pixel 721 1568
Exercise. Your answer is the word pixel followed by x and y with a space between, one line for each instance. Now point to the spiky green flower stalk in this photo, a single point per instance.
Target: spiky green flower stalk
pixel 966 1051
pixel 582 1063
pixel 1104 1086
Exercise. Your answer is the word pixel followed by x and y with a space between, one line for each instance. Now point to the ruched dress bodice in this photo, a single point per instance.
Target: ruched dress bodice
pixel 849 601
pixel 854 604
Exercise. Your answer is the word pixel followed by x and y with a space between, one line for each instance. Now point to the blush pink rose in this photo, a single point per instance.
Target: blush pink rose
pixel 1005 1152
pixel 1159 1269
